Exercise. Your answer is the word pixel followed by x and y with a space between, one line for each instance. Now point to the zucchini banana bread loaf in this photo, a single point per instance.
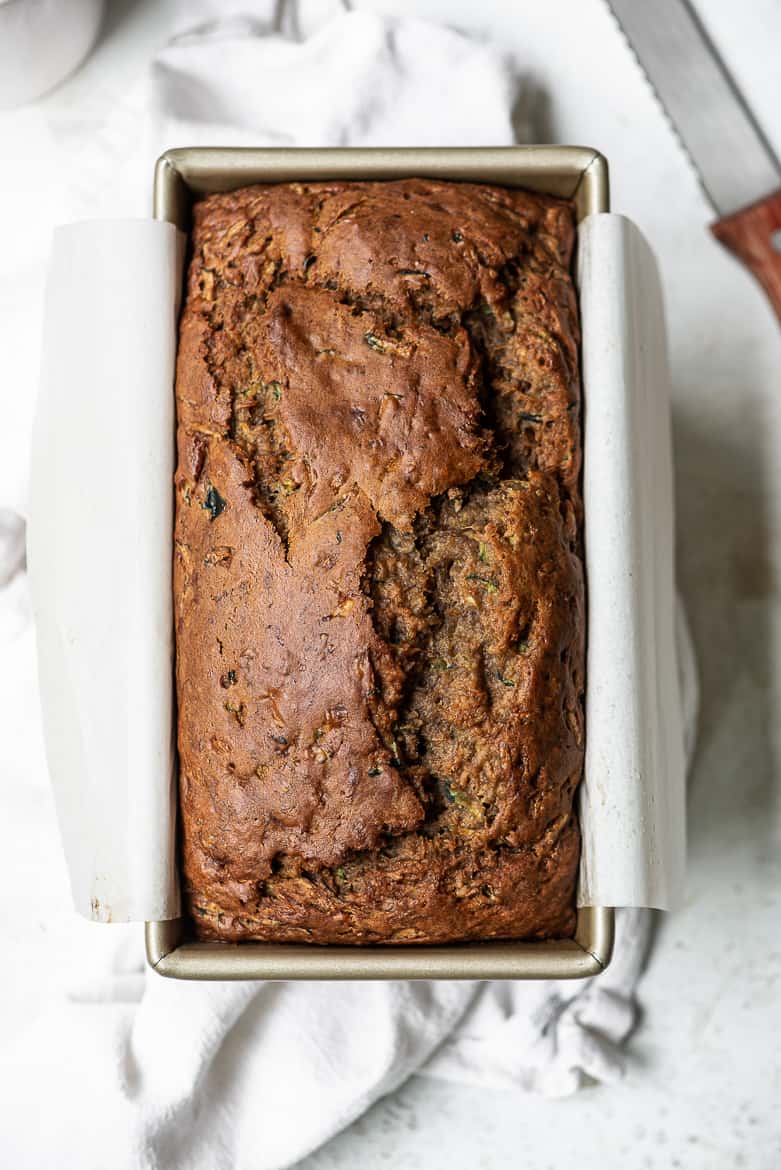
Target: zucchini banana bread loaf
pixel 378 583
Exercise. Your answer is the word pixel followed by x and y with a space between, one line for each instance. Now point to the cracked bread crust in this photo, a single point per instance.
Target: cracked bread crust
pixel 378 584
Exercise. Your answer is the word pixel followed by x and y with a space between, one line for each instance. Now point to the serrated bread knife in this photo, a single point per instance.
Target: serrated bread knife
pixel 736 165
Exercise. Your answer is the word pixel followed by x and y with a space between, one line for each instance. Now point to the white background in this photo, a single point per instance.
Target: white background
pixel 704 1081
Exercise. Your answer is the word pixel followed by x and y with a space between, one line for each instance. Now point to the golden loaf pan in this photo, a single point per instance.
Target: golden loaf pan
pixel 181 177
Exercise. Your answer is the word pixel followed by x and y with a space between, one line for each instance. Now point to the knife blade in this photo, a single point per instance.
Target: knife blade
pixel 736 165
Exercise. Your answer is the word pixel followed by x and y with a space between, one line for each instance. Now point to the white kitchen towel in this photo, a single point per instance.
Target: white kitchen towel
pixel 138 1072
pixel 358 80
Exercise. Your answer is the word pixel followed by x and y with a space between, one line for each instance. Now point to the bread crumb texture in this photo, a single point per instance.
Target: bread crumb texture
pixel 378 582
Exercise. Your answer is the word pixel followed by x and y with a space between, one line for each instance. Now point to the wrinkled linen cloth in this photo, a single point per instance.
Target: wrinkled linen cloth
pixel 110 1063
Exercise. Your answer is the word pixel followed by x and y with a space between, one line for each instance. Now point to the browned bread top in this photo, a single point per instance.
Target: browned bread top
pixel 378 589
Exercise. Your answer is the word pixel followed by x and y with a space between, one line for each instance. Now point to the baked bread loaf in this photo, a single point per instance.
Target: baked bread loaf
pixel 378 582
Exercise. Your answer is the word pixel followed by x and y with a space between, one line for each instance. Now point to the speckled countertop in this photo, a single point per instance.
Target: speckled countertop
pixel 704 1080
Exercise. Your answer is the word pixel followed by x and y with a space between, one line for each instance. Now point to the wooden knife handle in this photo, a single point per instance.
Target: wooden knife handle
pixel 754 236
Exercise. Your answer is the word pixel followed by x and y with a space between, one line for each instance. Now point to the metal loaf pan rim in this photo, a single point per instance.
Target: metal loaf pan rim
pixel 574 172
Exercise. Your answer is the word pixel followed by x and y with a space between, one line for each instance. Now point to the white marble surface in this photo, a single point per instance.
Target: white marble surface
pixel 703 1089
